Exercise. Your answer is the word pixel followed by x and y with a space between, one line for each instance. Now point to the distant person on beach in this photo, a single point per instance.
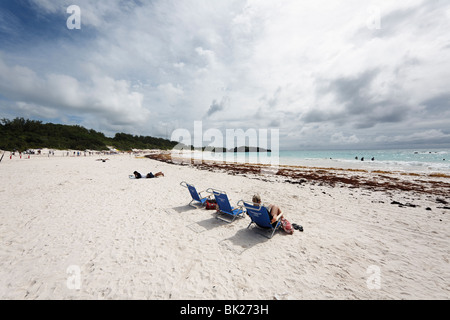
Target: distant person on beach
pixel 137 175
pixel 156 175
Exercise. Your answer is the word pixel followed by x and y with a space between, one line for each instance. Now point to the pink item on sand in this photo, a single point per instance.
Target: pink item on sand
pixel 286 225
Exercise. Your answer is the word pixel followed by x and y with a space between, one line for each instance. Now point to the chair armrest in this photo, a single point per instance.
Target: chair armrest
pixel 279 218
pixel 183 184
pixel 202 196
pixel 212 190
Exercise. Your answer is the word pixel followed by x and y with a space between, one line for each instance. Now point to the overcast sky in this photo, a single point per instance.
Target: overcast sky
pixel 325 73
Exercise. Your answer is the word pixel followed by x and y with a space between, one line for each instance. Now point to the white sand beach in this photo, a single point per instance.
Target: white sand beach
pixel 78 228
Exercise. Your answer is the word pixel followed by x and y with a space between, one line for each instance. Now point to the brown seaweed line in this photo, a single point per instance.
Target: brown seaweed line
pixel 293 175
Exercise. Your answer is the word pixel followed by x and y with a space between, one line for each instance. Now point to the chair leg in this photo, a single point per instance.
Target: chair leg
pixel 221 216
pixel 273 232
pixel 195 204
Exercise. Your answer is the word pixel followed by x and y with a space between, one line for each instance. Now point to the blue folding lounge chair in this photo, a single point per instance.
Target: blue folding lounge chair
pixel 261 218
pixel 197 198
pixel 227 212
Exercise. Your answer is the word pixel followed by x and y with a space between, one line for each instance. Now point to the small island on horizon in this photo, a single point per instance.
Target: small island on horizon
pixel 235 149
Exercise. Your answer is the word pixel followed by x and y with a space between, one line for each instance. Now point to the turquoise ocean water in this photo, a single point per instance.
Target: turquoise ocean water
pixel 399 159
pixel 418 160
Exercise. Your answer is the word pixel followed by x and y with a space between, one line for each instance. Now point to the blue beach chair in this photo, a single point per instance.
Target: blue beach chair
pixel 226 212
pixel 261 218
pixel 197 197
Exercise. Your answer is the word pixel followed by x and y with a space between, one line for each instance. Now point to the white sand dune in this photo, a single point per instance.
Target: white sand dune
pixel 138 239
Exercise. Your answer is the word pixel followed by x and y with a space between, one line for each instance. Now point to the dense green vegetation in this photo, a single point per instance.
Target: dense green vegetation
pixel 21 134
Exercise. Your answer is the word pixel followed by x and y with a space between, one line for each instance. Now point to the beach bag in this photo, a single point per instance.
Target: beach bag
pixel 286 225
pixel 211 204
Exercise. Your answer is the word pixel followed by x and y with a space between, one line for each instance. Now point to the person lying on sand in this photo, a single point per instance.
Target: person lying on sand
pixel 156 175
pixel 137 175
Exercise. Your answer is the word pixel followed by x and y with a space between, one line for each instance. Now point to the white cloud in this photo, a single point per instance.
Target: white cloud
pixel 433 135
pixel 97 14
pixel 340 138
pixel 313 69
pixel 101 96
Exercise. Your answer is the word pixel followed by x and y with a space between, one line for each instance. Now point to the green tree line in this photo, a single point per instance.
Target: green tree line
pixel 21 134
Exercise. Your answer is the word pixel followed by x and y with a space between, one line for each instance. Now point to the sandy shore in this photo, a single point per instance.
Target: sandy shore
pixel 78 228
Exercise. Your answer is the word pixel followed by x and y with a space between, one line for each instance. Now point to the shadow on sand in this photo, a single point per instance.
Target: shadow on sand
pixel 182 209
pixel 245 239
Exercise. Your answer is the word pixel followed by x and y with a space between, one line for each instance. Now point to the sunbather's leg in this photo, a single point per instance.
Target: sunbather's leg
pixel 275 212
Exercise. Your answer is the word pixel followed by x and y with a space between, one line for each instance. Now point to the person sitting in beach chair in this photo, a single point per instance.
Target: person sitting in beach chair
pixel 273 210
pixel 275 215
pixel 261 218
